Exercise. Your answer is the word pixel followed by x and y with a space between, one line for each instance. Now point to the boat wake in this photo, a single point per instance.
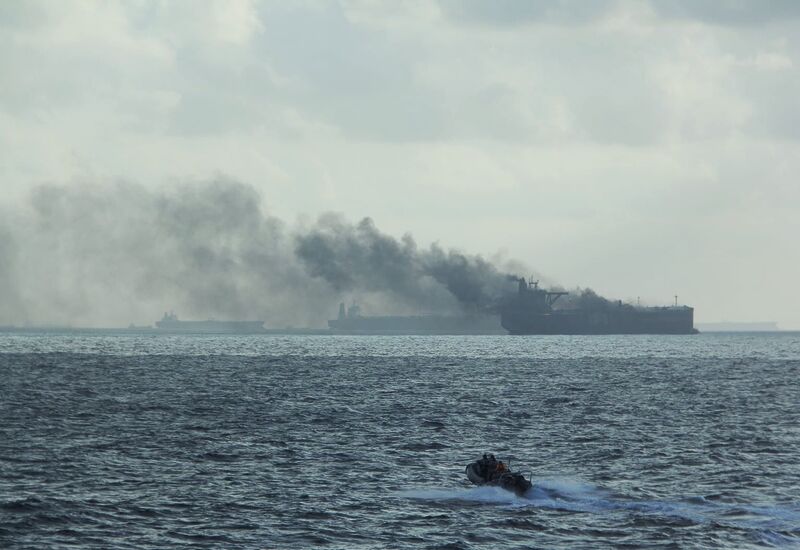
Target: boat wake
pixel 552 493
pixel 775 525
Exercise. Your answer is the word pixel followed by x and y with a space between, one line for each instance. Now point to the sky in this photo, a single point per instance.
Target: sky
pixel 645 149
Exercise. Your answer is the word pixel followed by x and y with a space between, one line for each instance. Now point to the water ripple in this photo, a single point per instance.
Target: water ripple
pixel 653 442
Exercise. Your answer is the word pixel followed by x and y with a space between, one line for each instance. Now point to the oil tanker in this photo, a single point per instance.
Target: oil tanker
pixel 531 311
pixel 350 321
pixel 171 323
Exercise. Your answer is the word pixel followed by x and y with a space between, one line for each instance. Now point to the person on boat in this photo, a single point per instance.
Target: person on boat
pixel 501 468
pixel 488 467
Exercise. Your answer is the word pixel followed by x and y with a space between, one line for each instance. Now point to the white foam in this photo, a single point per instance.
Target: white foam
pixel 489 495
pixel 569 488
pixel 556 493
pixel 576 496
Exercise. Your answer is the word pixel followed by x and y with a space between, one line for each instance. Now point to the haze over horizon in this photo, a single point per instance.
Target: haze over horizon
pixel 151 150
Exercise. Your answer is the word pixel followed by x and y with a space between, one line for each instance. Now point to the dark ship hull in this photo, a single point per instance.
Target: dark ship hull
pixel 531 312
pixel 171 323
pixel 656 320
pixel 352 322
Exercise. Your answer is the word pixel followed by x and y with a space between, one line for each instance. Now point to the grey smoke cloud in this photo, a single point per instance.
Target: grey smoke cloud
pixel 116 253
pixel 352 257
pixel 649 148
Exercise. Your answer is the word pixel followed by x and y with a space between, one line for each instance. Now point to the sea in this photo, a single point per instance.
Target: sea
pixel 136 441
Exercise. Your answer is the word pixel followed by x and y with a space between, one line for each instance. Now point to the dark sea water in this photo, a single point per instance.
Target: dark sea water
pixel 147 441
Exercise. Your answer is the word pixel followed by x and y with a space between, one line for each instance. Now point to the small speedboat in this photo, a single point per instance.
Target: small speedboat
pixel 492 472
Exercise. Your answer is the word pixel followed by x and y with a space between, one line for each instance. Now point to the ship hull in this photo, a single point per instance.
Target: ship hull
pixel 212 327
pixel 667 320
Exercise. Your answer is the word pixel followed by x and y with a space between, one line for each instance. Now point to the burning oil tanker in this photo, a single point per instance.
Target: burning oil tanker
pixel 531 311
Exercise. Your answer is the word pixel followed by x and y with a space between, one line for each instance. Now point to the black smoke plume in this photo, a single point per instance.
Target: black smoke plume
pixel 112 254
pixel 586 299
pixel 359 257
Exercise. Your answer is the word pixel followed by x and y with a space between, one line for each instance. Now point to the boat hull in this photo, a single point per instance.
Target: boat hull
pixel 514 482
pixel 622 320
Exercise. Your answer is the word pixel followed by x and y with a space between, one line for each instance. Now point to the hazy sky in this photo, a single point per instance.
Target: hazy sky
pixel 639 148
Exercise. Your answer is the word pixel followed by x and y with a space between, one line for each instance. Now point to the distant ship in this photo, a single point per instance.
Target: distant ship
pixel 531 311
pixel 350 321
pixel 171 323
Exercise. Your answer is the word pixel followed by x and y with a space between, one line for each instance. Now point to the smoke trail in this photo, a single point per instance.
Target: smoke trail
pixel 112 254
pixel 586 299
pixel 107 255
pixel 352 257
pixel 9 298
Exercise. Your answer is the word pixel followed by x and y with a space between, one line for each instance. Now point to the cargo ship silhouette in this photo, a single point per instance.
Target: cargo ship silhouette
pixel 350 321
pixel 531 311
pixel 170 323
